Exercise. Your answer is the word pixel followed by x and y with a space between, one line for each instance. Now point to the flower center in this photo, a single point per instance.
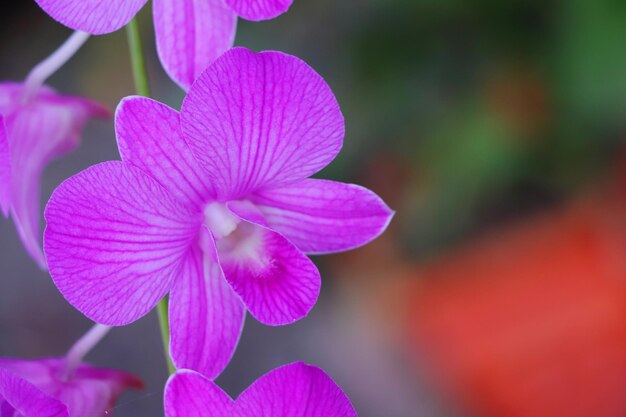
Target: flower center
pixel 220 221
pixel 237 241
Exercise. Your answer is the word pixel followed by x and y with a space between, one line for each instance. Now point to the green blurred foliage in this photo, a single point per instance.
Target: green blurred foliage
pixel 497 107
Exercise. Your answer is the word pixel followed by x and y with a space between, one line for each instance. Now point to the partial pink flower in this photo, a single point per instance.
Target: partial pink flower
pixel 295 390
pixel 33 132
pixel 44 388
pixel 190 34
pixel 92 16
pixel 213 205
pixel 5 170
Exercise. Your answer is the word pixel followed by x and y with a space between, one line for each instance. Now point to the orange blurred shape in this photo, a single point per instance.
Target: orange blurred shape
pixel 521 98
pixel 531 322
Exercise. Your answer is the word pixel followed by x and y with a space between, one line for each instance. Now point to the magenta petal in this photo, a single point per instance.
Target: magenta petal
pixel 320 216
pixel 27 400
pixel 93 16
pixel 47 127
pixel 206 316
pixel 149 137
pixel 115 240
pixel 259 9
pixel 5 170
pixel 276 281
pixel 190 34
pixel 189 394
pixel 259 120
pixel 295 390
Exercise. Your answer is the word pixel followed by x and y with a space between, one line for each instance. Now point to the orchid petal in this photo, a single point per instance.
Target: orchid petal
pixel 37 372
pixel 5 170
pixel 115 241
pixel 259 9
pixel 320 216
pixel 149 137
pixel 46 128
pixel 295 390
pixel 28 400
pixel 92 16
pixel 276 281
pixel 190 34
pixel 206 316
pixel 260 120
pixel 6 410
pixel 189 394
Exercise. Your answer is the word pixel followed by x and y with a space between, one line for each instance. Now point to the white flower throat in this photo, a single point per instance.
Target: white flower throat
pixel 236 240
pixel 220 220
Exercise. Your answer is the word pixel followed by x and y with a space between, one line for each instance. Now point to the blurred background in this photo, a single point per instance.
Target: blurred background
pixel 495 129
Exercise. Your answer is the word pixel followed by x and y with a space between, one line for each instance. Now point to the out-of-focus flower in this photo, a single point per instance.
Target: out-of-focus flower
pixel 5 170
pixel 62 387
pixel 33 131
pixel 214 204
pixel 531 321
pixel 295 390
pixel 190 34
pixel 42 389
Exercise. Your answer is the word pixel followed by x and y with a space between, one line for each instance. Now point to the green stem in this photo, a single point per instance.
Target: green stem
pixel 138 62
pixel 165 332
pixel 140 75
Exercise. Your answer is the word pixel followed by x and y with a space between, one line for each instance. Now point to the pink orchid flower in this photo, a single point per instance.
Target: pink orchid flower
pixel 190 34
pixel 214 205
pixel 62 387
pixel 34 131
pixel 295 390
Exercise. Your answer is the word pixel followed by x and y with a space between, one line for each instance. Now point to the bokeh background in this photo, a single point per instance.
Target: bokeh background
pixel 495 129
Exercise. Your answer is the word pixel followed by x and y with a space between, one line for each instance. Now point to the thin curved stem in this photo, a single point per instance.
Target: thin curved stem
pixel 140 76
pixel 165 331
pixel 42 71
pixel 83 346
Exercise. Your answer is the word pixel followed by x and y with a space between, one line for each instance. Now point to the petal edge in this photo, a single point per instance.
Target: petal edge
pixel 257 10
pixel 294 390
pixel 92 16
pixel 190 394
pixel 5 170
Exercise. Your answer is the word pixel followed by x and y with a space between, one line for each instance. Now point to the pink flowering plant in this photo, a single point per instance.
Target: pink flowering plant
pixel 209 214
